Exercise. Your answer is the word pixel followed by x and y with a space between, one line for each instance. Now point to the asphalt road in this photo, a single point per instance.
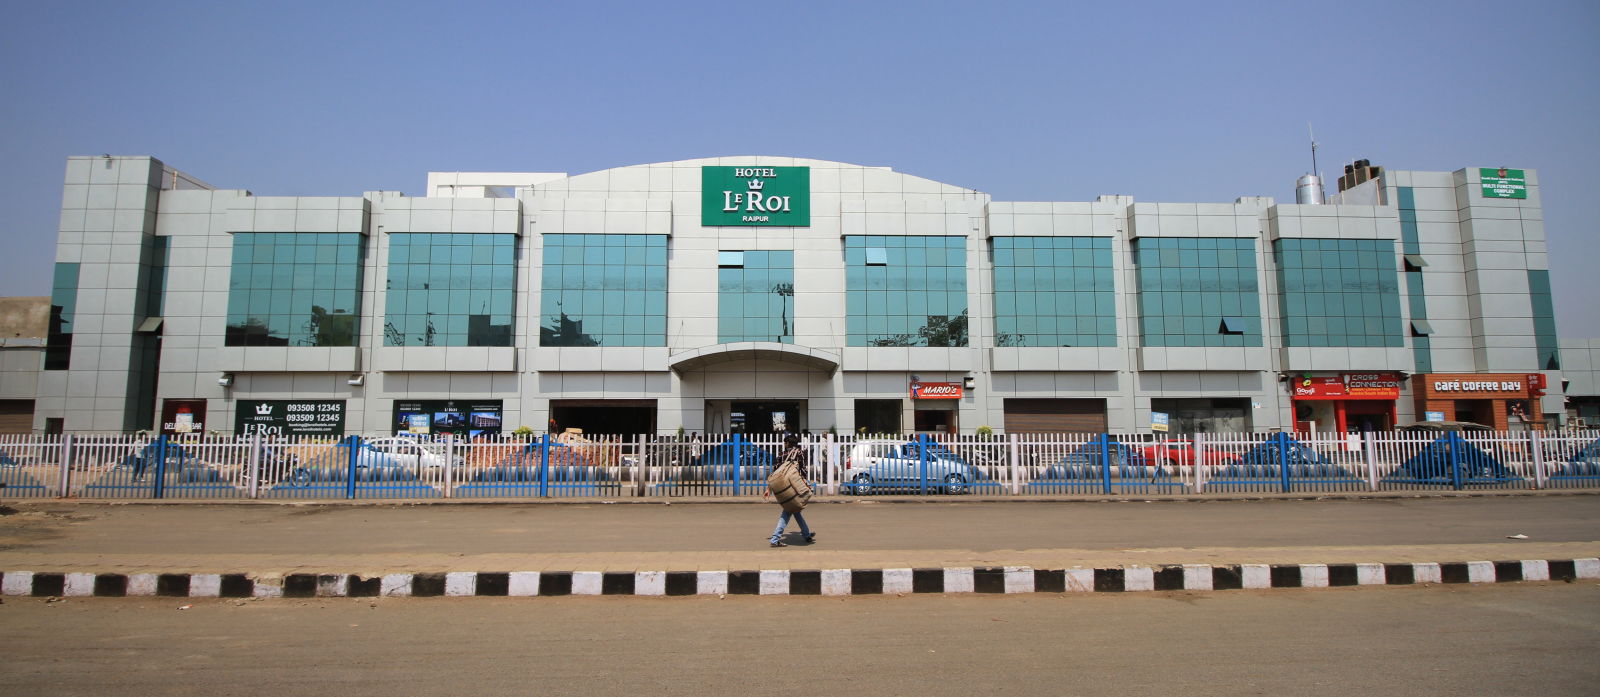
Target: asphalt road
pixel 533 528
pixel 596 536
pixel 1527 639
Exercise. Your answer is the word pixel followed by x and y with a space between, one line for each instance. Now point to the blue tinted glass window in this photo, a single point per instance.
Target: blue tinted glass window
pixel 1188 287
pixel 904 290
pixel 1338 292
pixel 282 292
pixel 449 289
pixel 1544 320
pixel 63 308
pixel 1047 294
pixel 755 297
pixel 604 290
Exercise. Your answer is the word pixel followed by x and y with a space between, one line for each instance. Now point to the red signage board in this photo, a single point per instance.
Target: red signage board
pixel 1372 385
pixel 936 390
pixel 1536 384
pixel 1318 388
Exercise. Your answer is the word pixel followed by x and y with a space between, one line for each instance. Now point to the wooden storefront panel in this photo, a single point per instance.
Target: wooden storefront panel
pixel 16 415
pixel 1055 415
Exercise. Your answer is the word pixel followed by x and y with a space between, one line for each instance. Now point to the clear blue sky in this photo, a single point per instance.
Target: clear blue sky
pixel 1166 101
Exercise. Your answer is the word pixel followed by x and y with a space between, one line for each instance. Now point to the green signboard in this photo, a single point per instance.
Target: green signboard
pixel 763 196
pixel 1503 183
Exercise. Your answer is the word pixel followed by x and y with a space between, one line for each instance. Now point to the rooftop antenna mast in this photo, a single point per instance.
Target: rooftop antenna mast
pixel 1308 188
pixel 1313 135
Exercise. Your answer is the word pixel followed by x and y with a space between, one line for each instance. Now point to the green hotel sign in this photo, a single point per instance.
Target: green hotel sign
pixel 1503 183
pixel 762 196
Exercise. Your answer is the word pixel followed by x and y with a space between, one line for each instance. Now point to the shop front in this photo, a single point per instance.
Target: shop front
pixel 603 416
pixel 1501 401
pixel 1205 414
pixel 935 406
pixel 1347 402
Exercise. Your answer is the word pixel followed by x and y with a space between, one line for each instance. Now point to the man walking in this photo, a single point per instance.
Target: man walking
pixel 790 481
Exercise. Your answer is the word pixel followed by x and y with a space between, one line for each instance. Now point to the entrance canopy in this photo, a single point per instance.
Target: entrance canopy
pixel 699 358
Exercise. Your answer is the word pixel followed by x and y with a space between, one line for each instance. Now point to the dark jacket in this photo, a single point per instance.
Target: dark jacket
pixel 802 460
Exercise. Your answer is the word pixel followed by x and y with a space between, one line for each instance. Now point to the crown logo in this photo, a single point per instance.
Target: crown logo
pixel 756 184
pixel 263 410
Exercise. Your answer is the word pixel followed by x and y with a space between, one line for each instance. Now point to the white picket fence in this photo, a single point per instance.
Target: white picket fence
pixel 212 467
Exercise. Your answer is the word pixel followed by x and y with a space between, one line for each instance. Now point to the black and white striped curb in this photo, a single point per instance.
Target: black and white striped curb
pixel 982 579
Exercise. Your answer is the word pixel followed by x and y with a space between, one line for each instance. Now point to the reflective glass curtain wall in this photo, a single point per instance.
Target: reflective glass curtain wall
pixel 63 305
pixel 1338 292
pixel 1416 290
pixel 295 289
pixel 604 290
pixel 1544 319
pixel 1198 291
pixel 450 289
pixel 906 290
pixel 1054 291
pixel 755 296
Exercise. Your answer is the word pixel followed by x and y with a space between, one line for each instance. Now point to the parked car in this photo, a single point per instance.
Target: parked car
pixel 1179 452
pixel 731 460
pixel 406 454
pixel 377 459
pixel 1087 461
pixel 888 464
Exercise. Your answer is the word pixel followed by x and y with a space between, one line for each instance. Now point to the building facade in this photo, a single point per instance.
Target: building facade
pixel 773 293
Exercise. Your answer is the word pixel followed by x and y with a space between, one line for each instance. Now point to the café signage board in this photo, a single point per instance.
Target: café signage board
pixel 755 196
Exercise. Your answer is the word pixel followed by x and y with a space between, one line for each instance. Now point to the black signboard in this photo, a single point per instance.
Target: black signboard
pixel 289 417
pixel 459 417
pixel 181 416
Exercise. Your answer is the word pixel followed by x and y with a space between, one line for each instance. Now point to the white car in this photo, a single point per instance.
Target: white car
pixel 406 454
pixel 897 465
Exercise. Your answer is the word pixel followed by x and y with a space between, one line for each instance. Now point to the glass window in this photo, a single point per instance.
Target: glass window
pixel 1544 320
pixel 1046 292
pixel 1197 291
pixel 894 302
pixel 288 296
pixel 1346 291
pixel 63 307
pixel 449 289
pixel 604 290
pixel 755 298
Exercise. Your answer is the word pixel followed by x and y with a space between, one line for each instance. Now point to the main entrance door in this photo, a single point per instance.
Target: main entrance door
pixel 765 417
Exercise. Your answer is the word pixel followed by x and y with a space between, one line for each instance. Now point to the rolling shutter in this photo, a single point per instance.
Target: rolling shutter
pixel 16 415
pixel 1055 416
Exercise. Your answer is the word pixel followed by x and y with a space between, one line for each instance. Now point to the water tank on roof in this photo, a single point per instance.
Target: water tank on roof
pixel 1308 190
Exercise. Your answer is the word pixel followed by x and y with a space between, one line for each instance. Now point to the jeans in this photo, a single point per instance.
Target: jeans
pixel 783 522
